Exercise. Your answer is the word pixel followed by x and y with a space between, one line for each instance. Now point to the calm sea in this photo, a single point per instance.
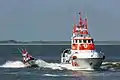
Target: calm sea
pixel 11 67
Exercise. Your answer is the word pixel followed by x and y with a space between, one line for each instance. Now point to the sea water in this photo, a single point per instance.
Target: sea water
pixel 12 68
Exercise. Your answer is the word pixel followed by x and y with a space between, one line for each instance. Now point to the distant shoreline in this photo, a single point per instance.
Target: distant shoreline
pixel 13 42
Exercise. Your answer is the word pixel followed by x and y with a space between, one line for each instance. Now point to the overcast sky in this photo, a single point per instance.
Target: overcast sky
pixel 28 20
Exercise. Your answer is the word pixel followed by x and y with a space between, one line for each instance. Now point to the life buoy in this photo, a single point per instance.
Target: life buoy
pixel 74 57
pixel 85 45
pixel 73 47
pixel 74 64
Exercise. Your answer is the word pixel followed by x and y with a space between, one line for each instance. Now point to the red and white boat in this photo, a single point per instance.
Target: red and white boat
pixel 82 53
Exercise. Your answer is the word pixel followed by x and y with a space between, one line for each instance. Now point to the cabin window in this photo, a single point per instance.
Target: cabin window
pixel 89 41
pixel 84 41
pixel 92 41
pixel 76 41
pixel 73 41
pixel 80 41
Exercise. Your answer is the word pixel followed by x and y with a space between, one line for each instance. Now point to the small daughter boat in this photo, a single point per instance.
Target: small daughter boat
pixel 28 60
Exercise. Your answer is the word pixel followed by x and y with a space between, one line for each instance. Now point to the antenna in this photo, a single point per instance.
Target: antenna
pixel 19 50
pixel 80 19
pixel 86 23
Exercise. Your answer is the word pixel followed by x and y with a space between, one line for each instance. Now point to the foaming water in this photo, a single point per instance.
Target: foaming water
pixel 41 64
pixel 13 64
pixel 20 64
pixel 55 75
pixel 44 64
pixel 113 66
pixel 58 66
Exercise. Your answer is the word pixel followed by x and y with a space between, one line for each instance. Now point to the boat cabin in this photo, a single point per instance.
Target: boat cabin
pixel 82 44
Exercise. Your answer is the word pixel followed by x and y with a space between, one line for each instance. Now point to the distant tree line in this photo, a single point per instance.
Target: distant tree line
pixel 54 42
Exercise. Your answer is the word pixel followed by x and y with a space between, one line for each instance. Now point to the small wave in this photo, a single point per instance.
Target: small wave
pixel 44 64
pixel 51 75
pixel 56 75
pixel 13 64
pixel 111 66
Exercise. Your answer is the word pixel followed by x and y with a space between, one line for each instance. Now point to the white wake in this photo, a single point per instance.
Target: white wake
pixel 13 64
pixel 54 66
pixel 20 64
